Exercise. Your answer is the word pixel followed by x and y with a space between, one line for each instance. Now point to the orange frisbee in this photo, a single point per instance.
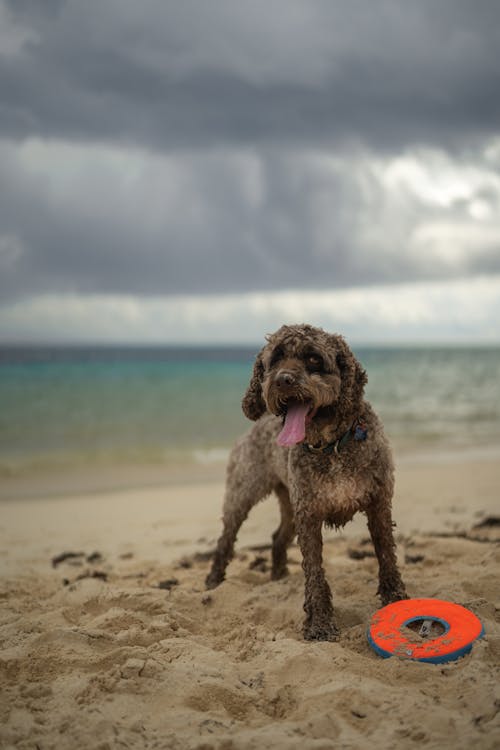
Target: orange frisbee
pixel 388 632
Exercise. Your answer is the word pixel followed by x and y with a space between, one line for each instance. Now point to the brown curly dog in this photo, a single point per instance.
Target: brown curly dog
pixel 319 445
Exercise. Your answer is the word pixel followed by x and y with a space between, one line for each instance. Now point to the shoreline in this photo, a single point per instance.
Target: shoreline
pixel 179 513
pixel 110 478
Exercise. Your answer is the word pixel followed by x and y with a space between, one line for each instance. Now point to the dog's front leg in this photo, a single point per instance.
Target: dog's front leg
pixel 319 624
pixel 391 587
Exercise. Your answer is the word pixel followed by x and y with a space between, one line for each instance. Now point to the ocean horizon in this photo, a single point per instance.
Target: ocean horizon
pixel 74 407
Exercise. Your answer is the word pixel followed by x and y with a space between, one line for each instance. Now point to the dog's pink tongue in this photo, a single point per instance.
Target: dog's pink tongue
pixel 294 429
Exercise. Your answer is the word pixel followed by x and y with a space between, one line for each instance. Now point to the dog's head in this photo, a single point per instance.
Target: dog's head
pixel 304 374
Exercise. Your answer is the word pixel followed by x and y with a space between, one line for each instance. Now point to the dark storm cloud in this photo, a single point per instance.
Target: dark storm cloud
pixel 232 223
pixel 223 141
pixel 211 222
pixel 169 74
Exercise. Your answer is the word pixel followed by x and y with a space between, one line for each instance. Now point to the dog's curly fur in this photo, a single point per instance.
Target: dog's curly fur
pixel 305 364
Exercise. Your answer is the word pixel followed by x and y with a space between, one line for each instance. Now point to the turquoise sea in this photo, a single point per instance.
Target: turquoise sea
pixel 84 407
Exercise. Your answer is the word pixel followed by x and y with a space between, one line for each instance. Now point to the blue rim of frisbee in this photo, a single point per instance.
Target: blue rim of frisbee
pixel 448 627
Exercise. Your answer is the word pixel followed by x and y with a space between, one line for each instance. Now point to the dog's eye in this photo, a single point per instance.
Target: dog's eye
pixel 314 362
pixel 277 354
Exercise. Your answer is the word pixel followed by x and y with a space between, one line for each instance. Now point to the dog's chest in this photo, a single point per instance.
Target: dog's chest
pixel 334 490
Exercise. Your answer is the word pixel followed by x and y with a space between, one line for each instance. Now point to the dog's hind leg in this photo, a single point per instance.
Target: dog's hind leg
pixel 246 485
pixel 283 535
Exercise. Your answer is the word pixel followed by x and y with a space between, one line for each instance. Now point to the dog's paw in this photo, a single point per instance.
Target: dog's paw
pixel 394 595
pixel 213 580
pixel 321 632
pixel 278 573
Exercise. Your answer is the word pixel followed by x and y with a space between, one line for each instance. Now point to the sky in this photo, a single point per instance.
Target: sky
pixel 204 171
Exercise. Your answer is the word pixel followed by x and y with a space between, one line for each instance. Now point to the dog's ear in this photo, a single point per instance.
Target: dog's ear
pixel 253 402
pixel 354 377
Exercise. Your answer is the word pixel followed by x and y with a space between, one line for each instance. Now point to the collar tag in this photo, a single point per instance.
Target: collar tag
pixel 360 431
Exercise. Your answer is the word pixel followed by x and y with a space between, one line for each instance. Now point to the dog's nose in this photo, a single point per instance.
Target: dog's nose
pixel 285 379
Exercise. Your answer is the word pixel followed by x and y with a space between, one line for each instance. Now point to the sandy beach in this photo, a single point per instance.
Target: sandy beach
pixel 117 644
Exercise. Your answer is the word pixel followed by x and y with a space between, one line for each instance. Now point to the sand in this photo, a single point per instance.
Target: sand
pixel 119 646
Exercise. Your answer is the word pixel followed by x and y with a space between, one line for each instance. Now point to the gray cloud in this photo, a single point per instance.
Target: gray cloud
pixel 170 75
pixel 94 220
pixel 165 147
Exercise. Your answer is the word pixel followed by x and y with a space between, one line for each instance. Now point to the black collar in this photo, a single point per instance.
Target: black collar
pixel 356 431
